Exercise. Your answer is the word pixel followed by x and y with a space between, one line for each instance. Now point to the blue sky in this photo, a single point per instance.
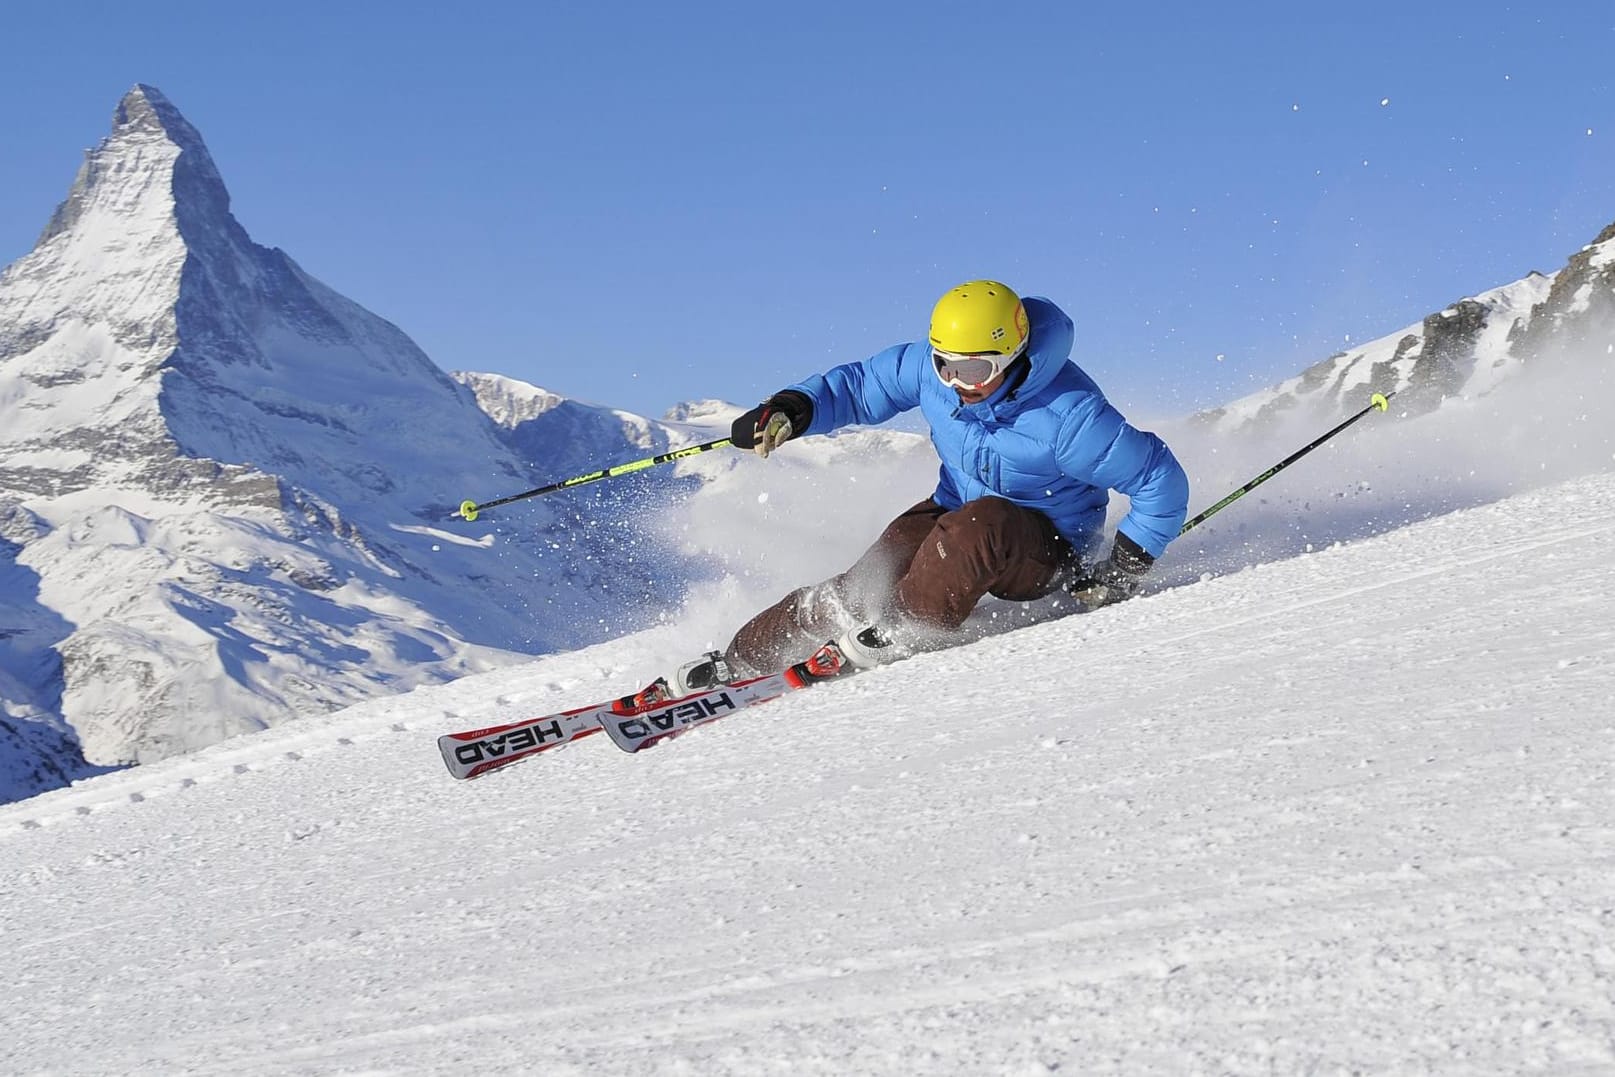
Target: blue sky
pixel 639 204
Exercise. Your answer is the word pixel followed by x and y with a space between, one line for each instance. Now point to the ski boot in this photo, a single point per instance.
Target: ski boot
pixel 708 671
pixel 859 649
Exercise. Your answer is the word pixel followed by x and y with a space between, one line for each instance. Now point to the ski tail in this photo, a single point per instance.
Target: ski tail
pixel 477 751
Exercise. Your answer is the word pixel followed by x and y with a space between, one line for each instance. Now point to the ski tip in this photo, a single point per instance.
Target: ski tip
pixel 468 510
pixel 1380 401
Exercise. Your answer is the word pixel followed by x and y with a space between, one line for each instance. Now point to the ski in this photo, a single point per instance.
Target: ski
pixel 638 730
pixel 637 722
pixel 633 723
pixel 477 751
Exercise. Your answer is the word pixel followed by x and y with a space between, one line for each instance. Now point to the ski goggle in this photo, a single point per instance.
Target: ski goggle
pixel 971 370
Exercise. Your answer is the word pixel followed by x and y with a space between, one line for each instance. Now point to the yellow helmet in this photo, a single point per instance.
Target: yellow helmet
pixel 980 317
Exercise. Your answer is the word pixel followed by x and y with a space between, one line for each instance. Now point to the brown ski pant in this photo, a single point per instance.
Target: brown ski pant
pixel 926 572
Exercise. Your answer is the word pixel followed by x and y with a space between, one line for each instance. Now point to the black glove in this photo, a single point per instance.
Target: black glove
pixel 1115 578
pixel 769 425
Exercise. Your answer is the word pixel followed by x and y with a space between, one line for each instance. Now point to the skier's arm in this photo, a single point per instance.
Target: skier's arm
pixel 1096 445
pixel 866 393
pixel 869 393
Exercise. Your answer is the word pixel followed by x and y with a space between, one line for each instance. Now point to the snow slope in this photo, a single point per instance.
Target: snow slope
pixel 1350 811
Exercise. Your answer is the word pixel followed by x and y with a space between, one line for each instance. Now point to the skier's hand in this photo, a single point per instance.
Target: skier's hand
pixel 775 421
pixel 1114 579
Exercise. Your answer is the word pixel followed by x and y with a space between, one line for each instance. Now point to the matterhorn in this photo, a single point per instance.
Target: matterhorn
pixel 226 491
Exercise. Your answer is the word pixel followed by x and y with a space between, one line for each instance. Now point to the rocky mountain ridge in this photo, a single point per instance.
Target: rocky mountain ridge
pixel 1470 348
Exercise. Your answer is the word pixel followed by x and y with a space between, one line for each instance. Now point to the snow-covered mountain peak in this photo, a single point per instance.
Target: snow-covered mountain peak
pixel 508 401
pixel 151 163
pixel 145 113
pixel 241 481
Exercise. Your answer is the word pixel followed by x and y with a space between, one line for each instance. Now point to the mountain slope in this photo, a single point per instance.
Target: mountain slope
pixel 225 488
pixel 1348 811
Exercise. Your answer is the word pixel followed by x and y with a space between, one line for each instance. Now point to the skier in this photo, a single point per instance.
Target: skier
pixel 1030 449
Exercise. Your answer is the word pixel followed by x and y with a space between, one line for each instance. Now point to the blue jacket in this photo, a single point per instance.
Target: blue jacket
pixel 1052 442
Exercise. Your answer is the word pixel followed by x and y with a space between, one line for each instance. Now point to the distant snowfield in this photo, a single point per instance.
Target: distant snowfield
pixel 1354 810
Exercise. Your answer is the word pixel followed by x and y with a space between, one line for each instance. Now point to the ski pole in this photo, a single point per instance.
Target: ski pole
pixel 1380 401
pixel 469 509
